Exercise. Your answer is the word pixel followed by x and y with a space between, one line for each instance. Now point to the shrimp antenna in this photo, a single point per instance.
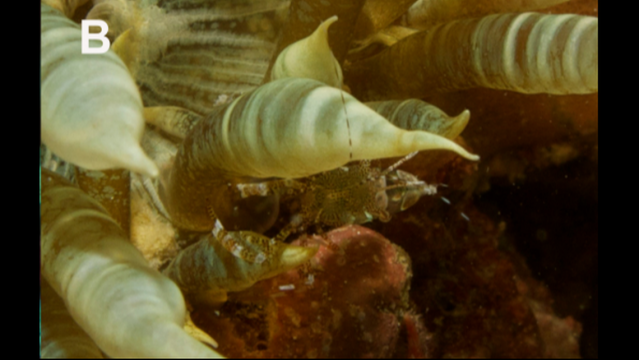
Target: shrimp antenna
pixel 399 162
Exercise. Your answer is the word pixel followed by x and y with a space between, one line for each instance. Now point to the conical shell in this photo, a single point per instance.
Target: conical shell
pixel 294 128
pixel 91 110
pixel 207 266
pixel 288 128
pixel 310 58
pixel 528 53
pixel 105 281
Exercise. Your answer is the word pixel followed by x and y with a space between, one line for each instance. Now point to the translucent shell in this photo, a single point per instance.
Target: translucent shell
pixel 413 114
pixel 233 261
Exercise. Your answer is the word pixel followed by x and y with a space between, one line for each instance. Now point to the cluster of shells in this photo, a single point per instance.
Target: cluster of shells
pixel 196 95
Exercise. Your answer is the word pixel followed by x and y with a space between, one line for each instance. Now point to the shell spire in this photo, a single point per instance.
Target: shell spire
pixel 310 58
pixel 414 114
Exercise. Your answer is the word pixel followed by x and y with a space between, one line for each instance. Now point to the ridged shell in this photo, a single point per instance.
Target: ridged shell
pixel 199 54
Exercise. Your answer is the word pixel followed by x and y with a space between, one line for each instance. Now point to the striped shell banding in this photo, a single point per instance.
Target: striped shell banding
pixel 171 54
pixel 90 118
pixel 89 262
pixel 288 128
pixel 244 257
pixel 528 53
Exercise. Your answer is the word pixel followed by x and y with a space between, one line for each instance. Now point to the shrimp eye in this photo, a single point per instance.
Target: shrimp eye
pixel 410 198
pixel 381 200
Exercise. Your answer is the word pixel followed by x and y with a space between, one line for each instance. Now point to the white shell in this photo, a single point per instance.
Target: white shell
pixel 310 58
pixel 293 127
pixel 91 110
pixel 61 337
pixel 106 283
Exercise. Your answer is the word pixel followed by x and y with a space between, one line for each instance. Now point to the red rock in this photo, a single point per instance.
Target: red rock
pixel 349 302
pixel 417 336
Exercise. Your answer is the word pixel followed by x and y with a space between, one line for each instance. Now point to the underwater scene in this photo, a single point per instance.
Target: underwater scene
pixel 319 178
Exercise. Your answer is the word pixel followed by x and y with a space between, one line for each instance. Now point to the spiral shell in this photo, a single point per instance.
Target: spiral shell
pixel 105 282
pixel 208 267
pixel 91 110
pixel 289 128
pixel 527 53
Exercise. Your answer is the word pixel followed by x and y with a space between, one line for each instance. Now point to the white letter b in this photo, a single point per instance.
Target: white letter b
pixel 86 36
